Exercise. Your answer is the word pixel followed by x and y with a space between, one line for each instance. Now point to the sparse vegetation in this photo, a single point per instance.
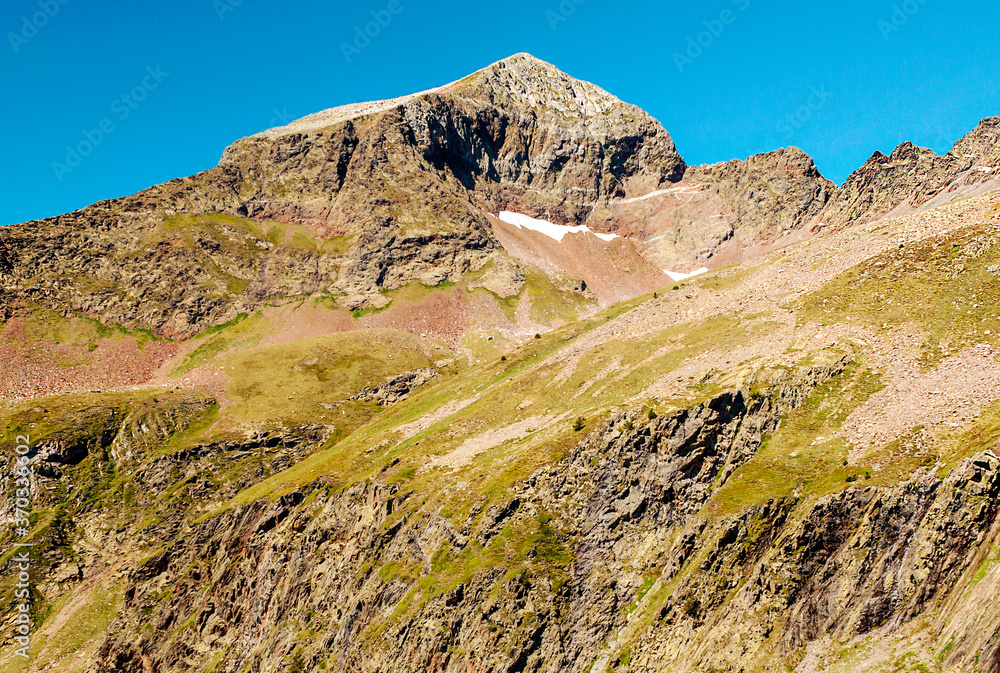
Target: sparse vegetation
pixel 942 284
pixel 806 452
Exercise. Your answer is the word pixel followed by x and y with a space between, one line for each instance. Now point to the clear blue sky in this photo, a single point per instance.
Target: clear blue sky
pixel 929 76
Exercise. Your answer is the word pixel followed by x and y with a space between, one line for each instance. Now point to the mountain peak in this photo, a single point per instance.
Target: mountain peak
pixel 522 80
pixel 523 62
pixel 982 144
pixel 524 56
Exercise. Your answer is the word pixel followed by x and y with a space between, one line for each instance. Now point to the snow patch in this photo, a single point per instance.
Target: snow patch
pixel 553 231
pixel 678 277
pixel 684 190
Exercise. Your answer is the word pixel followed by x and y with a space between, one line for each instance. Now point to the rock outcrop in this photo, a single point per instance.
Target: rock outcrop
pixel 769 194
pixel 913 177
pixel 724 208
pixel 396 389
pixel 605 557
pixel 385 194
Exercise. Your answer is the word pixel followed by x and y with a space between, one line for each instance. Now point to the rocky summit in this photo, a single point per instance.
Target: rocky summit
pixel 487 379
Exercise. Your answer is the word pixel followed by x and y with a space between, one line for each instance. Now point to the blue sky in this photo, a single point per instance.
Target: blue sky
pixel 159 89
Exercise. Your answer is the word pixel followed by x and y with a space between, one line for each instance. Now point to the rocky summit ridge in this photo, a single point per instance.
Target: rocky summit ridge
pixel 399 191
pixel 371 396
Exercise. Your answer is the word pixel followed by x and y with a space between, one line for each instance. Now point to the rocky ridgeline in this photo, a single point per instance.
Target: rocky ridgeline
pixel 398 191
pixel 913 176
pixel 773 193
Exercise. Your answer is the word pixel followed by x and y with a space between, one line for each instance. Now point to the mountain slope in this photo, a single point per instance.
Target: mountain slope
pixel 340 404
pixel 753 487
pixel 346 203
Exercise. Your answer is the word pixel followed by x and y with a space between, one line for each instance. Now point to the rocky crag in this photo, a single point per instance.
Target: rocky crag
pixel 913 177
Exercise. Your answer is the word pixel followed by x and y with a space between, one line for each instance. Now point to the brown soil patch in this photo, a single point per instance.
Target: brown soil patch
pixel 46 368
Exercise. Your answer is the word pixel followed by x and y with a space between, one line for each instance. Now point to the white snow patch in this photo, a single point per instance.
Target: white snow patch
pixel 554 231
pixel 678 277
pixel 684 190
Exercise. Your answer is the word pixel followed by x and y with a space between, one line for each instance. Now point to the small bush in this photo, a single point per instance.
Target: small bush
pixel 651 415
pixel 538 336
pixel 851 478
pixel 503 358
pixel 579 424
pixel 677 287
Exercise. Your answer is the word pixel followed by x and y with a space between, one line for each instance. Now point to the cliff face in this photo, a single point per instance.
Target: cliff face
pixel 519 135
pixel 610 557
